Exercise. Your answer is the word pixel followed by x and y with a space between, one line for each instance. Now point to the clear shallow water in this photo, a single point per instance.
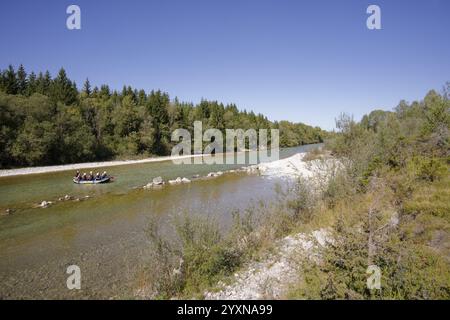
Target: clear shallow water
pixel 106 234
pixel 20 192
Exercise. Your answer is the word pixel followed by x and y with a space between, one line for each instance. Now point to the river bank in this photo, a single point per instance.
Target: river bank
pixel 86 165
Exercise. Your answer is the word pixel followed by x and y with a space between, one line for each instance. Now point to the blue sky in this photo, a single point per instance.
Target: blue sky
pixel 296 60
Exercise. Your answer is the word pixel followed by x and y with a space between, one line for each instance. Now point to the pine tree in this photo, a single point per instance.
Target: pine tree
pixel 32 83
pixel 124 91
pixel 43 83
pixel 157 107
pixel 63 89
pixel 10 81
pixel 2 80
pixel 95 91
pixel 47 83
pixel 22 81
pixel 142 97
pixel 87 87
pixel 105 92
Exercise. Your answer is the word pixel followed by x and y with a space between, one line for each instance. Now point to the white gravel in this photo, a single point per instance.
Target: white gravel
pixel 289 167
pixel 87 165
pixel 295 166
pixel 271 278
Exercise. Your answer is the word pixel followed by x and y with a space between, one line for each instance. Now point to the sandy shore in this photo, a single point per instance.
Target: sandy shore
pixel 86 165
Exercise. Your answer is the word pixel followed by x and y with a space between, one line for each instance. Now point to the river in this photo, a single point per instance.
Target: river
pixel 104 233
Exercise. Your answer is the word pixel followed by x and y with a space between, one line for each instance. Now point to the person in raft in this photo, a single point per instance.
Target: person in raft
pixel 90 177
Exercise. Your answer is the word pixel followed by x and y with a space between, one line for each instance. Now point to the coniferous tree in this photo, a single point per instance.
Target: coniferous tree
pixel 62 89
pixel 105 92
pixel 2 80
pixel 10 81
pixel 157 107
pixel 43 83
pixel 95 92
pixel 32 82
pixel 142 97
pixel 22 81
pixel 87 87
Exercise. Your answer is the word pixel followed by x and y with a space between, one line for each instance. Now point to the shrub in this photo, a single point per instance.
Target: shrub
pixel 428 169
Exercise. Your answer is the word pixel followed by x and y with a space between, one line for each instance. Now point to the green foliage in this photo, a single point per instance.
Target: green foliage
pixel 34 142
pixel 390 207
pixel 294 134
pixel 408 271
pixel 198 256
pixel 103 124
pixel 427 168
pixel 431 199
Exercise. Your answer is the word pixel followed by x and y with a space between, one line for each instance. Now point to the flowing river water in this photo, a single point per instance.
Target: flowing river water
pixel 104 233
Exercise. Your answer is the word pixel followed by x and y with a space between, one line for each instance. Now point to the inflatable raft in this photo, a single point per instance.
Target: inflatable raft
pixel 104 180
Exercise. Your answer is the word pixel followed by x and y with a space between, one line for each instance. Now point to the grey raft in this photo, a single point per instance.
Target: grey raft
pixel 104 180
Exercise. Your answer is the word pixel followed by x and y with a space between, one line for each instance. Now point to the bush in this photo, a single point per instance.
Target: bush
pixel 428 169
pixel 197 256
pixel 432 199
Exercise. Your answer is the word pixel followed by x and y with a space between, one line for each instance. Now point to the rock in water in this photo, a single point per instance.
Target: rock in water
pixel 158 181
pixel 185 180
pixel 45 204
pixel 148 185
pixel 178 180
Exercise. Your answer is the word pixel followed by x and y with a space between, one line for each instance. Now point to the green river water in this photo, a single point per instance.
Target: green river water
pixel 105 234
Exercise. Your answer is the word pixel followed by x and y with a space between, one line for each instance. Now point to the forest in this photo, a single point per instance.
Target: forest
pixel 47 120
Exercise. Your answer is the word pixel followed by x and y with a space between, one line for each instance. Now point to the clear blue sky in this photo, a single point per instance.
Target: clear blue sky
pixel 297 60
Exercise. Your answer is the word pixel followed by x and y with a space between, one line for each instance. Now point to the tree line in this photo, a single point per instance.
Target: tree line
pixel 47 120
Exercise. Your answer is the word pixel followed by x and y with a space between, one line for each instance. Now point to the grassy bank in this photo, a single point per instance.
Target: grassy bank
pixel 386 204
